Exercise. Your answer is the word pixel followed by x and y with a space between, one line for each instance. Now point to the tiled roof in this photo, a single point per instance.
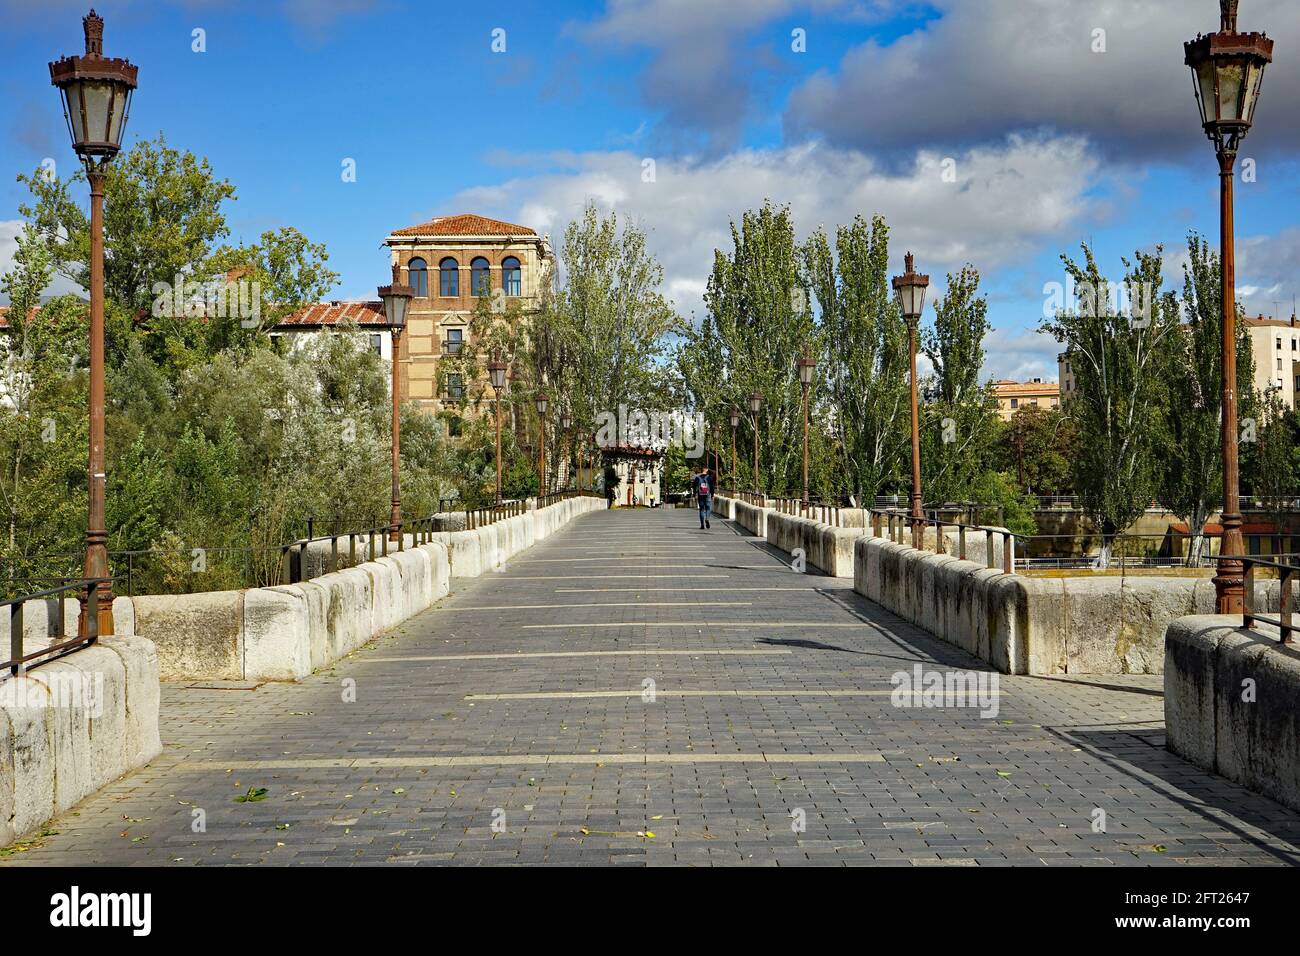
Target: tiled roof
pixel 4 314
pixel 465 224
pixel 1004 389
pixel 332 313
pixel 1261 321
pixel 1213 528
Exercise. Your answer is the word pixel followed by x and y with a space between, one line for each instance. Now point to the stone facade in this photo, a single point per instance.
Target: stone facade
pixel 438 258
pixel 516 264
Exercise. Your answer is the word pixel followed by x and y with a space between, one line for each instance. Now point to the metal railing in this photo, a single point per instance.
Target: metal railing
pixel 1287 573
pixel 824 510
pixel 479 517
pixel 377 545
pixel 894 522
pixel 18 660
pixel 555 497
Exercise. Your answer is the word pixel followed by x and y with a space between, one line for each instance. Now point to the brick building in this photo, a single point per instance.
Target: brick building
pixel 449 261
pixel 1012 396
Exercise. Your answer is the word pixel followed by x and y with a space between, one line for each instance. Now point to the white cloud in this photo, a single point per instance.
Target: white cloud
pixel 1021 355
pixel 985 68
pixel 1006 200
pixel 702 70
pixel 1268 268
pixel 10 230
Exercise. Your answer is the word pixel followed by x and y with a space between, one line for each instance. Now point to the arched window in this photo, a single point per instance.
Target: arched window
pixel 418 279
pixel 449 278
pixel 511 276
pixel 480 277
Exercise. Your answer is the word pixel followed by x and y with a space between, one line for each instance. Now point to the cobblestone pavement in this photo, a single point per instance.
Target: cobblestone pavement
pixel 633 675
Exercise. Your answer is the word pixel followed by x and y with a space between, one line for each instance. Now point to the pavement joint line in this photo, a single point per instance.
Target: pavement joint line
pixel 524 655
pixel 607 577
pixel 548 607
pixel 759 692
pixel 802 624
pixel 531 760
pixel 598 557
pixel 675 590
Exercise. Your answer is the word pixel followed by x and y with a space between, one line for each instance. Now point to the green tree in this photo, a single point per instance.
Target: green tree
pixel 865 357
pixel 959 424
pixel 1038 446
pixel 1115 354
pixel 758 324
pixel 163 217
pixel 1190 458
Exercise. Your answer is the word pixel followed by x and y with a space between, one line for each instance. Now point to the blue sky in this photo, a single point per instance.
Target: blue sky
pixel 1051 140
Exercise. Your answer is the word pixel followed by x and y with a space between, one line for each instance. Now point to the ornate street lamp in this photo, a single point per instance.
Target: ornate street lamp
pixel 541 454
pixel 497 376
pixel 1227 70
pixel 909 288
pixel 397 300
pixel 807 366
pixel 735 420
pixel 755 406
pixel 566 423
pixel 96 93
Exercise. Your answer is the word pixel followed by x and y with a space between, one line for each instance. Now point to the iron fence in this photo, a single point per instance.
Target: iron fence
pixel 479 517
pixel 19 658
pixel 1287 572
pixel 892 523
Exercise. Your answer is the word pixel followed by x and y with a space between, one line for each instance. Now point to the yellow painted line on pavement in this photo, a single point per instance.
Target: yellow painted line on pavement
pixel 517 655
pixel 530 760
pixel 547 607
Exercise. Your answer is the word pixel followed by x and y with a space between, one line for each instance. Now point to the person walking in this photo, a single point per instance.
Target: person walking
pixel 702 485
pixel 611 485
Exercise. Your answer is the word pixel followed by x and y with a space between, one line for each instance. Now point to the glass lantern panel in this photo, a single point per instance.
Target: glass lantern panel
pixel 121 98
pixel 72 102
pixel 1209 99
pixel 98 95
pixel 1254 77
pixel 1232 74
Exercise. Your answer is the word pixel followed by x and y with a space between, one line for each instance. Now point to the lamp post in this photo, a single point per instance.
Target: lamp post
pixel 397 300
pixel 755 406
pixel 541 454
pixel 807 366
pixel 1227 70
pixel 96 92
pixel 566 423
pixel 735 420
pixel 910 291
pixel 497 375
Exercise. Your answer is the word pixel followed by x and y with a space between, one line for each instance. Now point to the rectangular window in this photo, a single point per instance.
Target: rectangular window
pixel 377 343
pixel 1015 403
pixel 455 342
pixel 455 387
